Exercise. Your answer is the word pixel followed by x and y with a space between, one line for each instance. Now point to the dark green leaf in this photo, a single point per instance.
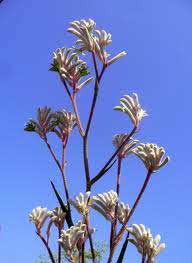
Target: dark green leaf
pixel 63 206
pixel 30 127
pixel 55 67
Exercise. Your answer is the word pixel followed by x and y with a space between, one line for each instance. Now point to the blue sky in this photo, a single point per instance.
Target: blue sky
pixel 157 37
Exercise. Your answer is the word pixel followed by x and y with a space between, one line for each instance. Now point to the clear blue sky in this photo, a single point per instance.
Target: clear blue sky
pixel 157 36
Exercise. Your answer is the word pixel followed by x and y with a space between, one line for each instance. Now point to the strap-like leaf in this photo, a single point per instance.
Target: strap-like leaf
pixel 63 206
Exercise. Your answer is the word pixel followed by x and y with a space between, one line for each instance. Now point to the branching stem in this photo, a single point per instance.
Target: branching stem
pixel 101 172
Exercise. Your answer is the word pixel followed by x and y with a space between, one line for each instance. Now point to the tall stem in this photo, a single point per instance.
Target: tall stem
pixel 47 247
pixel 119 236
pixel 74 103
pixel 114 224
pixel 59 247
pixel 62 173
pixel 98 78
pixel 90 239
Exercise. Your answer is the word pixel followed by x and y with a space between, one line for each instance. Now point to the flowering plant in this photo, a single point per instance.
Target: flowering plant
pixel 73 234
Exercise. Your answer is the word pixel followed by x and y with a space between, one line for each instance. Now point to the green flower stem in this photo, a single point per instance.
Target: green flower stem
pixel 102 171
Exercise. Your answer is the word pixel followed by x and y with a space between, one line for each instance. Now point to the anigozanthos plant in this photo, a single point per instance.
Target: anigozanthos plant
pixel 146 245
pixel 38 216
pixel 131 106
pixel 152 156
pixel 82 203
pixel 44 124
pixel 57 217
pixel 105 204
pixel 93 40
pixel 71 237
pixel 119 139
pixel 123 211
pixel 72 66
pixel 66 122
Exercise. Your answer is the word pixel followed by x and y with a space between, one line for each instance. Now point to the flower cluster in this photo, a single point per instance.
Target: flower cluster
pixel 131 106
pixel 61 123
pixel 123 211
pixel 71 237
pixel 44 124
pixel 119 140
pixel 151 155
pixel 105 204
pixel 93 40
pixel 66 122
pixel 57 217
pixel 38 216
pixel 70 67
pixel 145 243
pixel 82 203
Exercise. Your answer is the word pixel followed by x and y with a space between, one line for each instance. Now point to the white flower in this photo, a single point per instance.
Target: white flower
pixel 66 122
pixel 71 68
pixel 93 40
pixel 57 216
pixel 118 140
pixel 151 155
pixel 123 211
pixel 131 106
pixel 145 243
pixel 70 237
pixel 82 203
pixel 44 124
pixel 38 217
pixel 105 204
pixel 83 29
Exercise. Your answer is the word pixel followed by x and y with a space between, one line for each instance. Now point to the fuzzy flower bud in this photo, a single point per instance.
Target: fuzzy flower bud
pixel 38 216
pixel 66 122
pixel 105 204
pixel 70 67
pixel 70 237
pixel 145 243
pixel 151 155
pixel 82 203
pixel 83 29
pixel 118 140
pixel 131 106
pixel 57 216
pixel 123 211
pixel 44 124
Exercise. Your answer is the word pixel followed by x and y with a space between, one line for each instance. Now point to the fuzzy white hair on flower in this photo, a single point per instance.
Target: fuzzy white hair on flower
pixel 44 124
pixel 70 237
pixel 82 203
pixel 123 211
pixel 119 139
pixel 105 204
pixel 83 29
pixel 57 216
pixel 38 216
pixel 152 156
pixel 66 122
pixel 131 106
pixel 145 243
pixel 70 67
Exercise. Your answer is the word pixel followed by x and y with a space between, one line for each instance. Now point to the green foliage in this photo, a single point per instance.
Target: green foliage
pixel 100 250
